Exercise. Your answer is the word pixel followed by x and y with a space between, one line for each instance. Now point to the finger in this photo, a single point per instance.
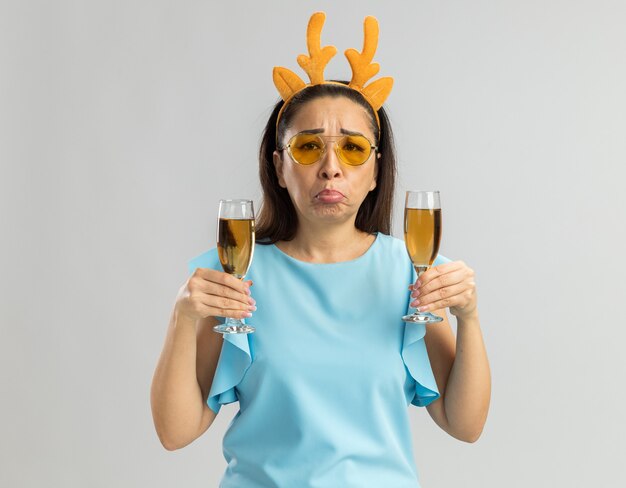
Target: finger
pixel 231 314
pixel 435 271
pixel 200 308
pixel 436 306
pixel 444 296
pixel 447 279
pixel 236 283
pixel 461 302
pixel 225 279
pixel 211 288
pixel 223 304
pixel 199 285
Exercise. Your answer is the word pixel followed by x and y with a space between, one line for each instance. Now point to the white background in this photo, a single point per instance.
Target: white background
pixel 122 123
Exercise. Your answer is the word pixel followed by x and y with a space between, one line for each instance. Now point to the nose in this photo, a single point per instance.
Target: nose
pixel 330 166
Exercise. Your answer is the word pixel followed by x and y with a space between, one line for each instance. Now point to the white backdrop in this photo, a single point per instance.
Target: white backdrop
pixel 122 123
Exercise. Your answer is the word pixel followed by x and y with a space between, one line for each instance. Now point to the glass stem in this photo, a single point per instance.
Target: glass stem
pixel 420 271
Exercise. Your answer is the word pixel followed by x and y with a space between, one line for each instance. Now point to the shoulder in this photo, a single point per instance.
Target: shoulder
pixel 208 259
pixel 211 259
pixel 441 259
pixel 393 246
pixel 387 243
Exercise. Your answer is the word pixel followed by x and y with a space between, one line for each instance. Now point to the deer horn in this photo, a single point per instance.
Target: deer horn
pixel 378 91
pixel 287 82
pixel 363 69
pixel 361 63
pixel 319 56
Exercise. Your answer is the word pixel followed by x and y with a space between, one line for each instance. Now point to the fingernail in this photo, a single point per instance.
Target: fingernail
pixel 422 309
pixel 247 314
pixel 415 294
pixel 414 303
pixel 251 301
pixel 252 308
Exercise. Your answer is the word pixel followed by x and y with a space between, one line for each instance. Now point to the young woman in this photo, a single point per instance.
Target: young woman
pixel 325 380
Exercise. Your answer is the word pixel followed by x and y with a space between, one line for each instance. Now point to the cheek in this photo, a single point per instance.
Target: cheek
pixel 367 179
pixel 296 180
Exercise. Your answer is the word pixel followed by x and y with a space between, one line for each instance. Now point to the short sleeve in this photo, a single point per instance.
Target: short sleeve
pixel 415 356
pixel 235 357
pixel 441 260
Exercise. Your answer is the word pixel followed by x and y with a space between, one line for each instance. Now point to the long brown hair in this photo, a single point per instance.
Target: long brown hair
pixel 277 219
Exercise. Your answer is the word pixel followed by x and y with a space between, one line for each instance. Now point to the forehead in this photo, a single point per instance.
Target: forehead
pixel 331 114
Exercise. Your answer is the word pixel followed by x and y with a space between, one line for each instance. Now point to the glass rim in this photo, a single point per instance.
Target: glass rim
pixel 422 200
pixel 235 200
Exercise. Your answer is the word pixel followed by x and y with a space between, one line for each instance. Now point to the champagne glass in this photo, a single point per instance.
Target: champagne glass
pixel 235 247
pixel 422 235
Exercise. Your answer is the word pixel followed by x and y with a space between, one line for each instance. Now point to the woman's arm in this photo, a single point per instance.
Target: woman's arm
pixel 460 365
pixel 182 380
pixel 461 370
pixel 187 365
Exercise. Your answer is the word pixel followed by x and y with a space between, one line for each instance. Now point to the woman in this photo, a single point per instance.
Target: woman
pixel 325 380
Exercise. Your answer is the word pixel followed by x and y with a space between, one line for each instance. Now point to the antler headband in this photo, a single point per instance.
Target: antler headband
pixel 288 83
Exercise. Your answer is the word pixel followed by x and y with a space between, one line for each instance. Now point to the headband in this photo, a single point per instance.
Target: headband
pixel 289 84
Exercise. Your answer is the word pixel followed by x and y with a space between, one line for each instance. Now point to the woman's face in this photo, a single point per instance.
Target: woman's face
pixel 328 191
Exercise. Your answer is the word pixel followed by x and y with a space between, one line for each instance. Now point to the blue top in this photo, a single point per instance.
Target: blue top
pixel 324 383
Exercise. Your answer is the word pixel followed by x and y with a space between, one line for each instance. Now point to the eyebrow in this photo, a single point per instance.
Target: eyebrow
pixel 343 131
pixel 350 132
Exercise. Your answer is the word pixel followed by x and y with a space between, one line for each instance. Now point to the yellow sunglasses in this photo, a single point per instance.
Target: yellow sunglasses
pixel 306 148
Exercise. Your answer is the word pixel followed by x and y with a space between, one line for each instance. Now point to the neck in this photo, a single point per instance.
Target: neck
pixel 327 243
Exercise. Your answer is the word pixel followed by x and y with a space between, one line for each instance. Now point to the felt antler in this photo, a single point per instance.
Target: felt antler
pixel 361 63
pixel 286 81
pixel 319 56
pixel 363 69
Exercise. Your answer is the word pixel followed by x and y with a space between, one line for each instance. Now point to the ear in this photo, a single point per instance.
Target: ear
pixel 278 166
pixel 373 185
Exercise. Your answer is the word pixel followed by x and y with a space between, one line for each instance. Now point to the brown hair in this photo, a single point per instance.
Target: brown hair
pixel 277 219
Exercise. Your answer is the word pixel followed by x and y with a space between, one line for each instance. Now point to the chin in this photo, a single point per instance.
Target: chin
pixel 328 210
pixel 331 212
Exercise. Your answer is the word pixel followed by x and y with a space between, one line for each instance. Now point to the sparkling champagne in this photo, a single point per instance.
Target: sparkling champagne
pixel 422 234
pixel 235 245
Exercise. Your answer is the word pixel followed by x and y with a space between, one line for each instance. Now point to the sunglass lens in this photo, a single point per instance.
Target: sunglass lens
pixel 306 148
pixel 354 150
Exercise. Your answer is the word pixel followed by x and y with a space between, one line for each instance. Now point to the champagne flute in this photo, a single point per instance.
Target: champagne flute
pixel 422 236
pixel 235 247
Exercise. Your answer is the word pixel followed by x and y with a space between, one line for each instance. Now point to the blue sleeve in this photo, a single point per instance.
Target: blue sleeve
pixel 235 357
pixel 415 356
pixel 441 260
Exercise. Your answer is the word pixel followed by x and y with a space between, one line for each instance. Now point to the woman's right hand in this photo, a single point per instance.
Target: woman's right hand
pixel 209 292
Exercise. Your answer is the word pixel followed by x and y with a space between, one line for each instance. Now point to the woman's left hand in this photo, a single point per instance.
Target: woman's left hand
pixel 447 285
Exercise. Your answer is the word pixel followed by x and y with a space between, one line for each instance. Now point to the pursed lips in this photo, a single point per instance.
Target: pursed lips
pixel 330 196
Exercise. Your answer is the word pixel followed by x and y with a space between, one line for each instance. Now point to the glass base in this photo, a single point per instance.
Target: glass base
pixel 422 318
pixel 233 326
